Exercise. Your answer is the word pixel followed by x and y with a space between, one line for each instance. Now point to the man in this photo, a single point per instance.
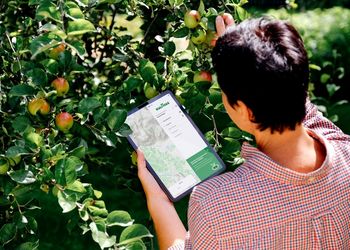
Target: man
pixel 293 190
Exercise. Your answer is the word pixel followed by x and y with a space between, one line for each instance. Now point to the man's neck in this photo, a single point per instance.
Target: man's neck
pixel 293 149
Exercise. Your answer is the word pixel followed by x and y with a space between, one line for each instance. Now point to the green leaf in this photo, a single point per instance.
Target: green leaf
pixel 116 118
pixel 101 237
pixel 96 211
pixel 132 83
pixel 50 65
pixel 148 71
pixel 67 203
pixel 38 76
pixel 182 32
pixel 332 88
pixel 232 132
pixel 201 8
pixel 119 218
pixel 78 151
pixel 124 130
pixel 76 186
pixel 102 137
pixel 230 146
pixel 325 78
pixel 133 233
pixel 15 151
pixel 34 2
pixel 75 13
pixel 88 105
pixel 242 14
pixel 7 233
pixel 84 215
pixel 22 90
pixel 47 9
pixel 65 61
pixel 78 47
pixel 97 194
pixel 33 140
pixel 28 246
pixel 43 43
pixel 79 27
pixel 169 48
pixel 65 171
pixel 53 29
pixel 136 245
pixel 22 176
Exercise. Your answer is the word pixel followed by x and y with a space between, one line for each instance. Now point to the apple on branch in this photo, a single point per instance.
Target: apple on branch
pixel 64 121
pixel 38 105
pixel 54 53
pixel 199 36
pixel 61 85
pixel 202 76
pixel 192 19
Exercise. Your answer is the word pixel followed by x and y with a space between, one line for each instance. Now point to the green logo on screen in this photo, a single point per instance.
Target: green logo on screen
pixel 162 105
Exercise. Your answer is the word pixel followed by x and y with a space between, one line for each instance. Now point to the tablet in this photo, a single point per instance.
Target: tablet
pixel 176 152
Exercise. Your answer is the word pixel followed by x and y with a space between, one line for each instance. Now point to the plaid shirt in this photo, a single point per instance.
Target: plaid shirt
pixel 262 205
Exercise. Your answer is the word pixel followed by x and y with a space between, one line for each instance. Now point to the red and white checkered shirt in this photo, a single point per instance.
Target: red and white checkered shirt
pixel 262 205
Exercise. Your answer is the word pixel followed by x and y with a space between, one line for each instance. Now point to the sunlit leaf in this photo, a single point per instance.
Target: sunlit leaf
pixel 133 233
pixel 116 118
pixel 22 176
pixel 119 218
pixel 79 27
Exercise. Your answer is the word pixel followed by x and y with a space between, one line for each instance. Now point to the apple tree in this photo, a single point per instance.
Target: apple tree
pixel 70 71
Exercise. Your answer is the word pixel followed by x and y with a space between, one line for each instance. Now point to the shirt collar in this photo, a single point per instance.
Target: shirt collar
pixel 263 164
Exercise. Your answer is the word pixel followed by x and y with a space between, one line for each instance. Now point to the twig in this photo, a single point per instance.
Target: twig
pixel 14 51
pixel 149 27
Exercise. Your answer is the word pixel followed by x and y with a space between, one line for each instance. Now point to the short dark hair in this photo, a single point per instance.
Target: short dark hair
pixel 263 63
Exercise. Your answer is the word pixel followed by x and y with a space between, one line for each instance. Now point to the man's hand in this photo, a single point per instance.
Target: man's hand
pixel 149 184
pixel 167 223
pixel 223 23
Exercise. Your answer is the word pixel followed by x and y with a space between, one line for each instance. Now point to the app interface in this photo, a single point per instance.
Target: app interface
pixel 171 145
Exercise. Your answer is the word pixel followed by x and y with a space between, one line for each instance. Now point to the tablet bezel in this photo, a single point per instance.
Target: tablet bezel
pixel 149 167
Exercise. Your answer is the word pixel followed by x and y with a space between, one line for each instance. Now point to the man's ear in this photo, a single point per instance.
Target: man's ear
pixel 245 111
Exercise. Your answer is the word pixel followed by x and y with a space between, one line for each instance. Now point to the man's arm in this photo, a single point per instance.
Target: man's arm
pixel 169 228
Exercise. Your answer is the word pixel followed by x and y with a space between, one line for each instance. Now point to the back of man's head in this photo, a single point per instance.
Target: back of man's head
pixel 263 63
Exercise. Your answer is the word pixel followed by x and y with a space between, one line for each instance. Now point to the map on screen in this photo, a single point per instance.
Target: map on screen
pixel 172 146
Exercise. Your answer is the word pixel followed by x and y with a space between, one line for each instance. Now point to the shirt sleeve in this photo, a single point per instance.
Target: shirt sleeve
pixel 200 234
pixel 316 121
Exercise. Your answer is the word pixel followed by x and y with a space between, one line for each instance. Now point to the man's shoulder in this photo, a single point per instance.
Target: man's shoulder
pixel 221 184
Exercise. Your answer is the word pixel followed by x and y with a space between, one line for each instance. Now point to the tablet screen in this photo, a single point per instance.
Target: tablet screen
pixel 172 145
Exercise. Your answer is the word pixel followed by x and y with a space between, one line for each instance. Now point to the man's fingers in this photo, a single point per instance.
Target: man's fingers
pixel 228 19
pixel 141 163
pixel 223 22
pixel 220 25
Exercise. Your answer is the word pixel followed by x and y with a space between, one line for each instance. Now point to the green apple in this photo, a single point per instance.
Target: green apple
pixel 134 158
pixel 202 76
pixel 199 36
pixel 61 85
pixel 192 19
pixel 4 166
pixel 64 121
pixel 150 91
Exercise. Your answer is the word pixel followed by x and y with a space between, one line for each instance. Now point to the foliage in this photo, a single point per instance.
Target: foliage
pixel 327 35
pixel 303 4
pixel 111 53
